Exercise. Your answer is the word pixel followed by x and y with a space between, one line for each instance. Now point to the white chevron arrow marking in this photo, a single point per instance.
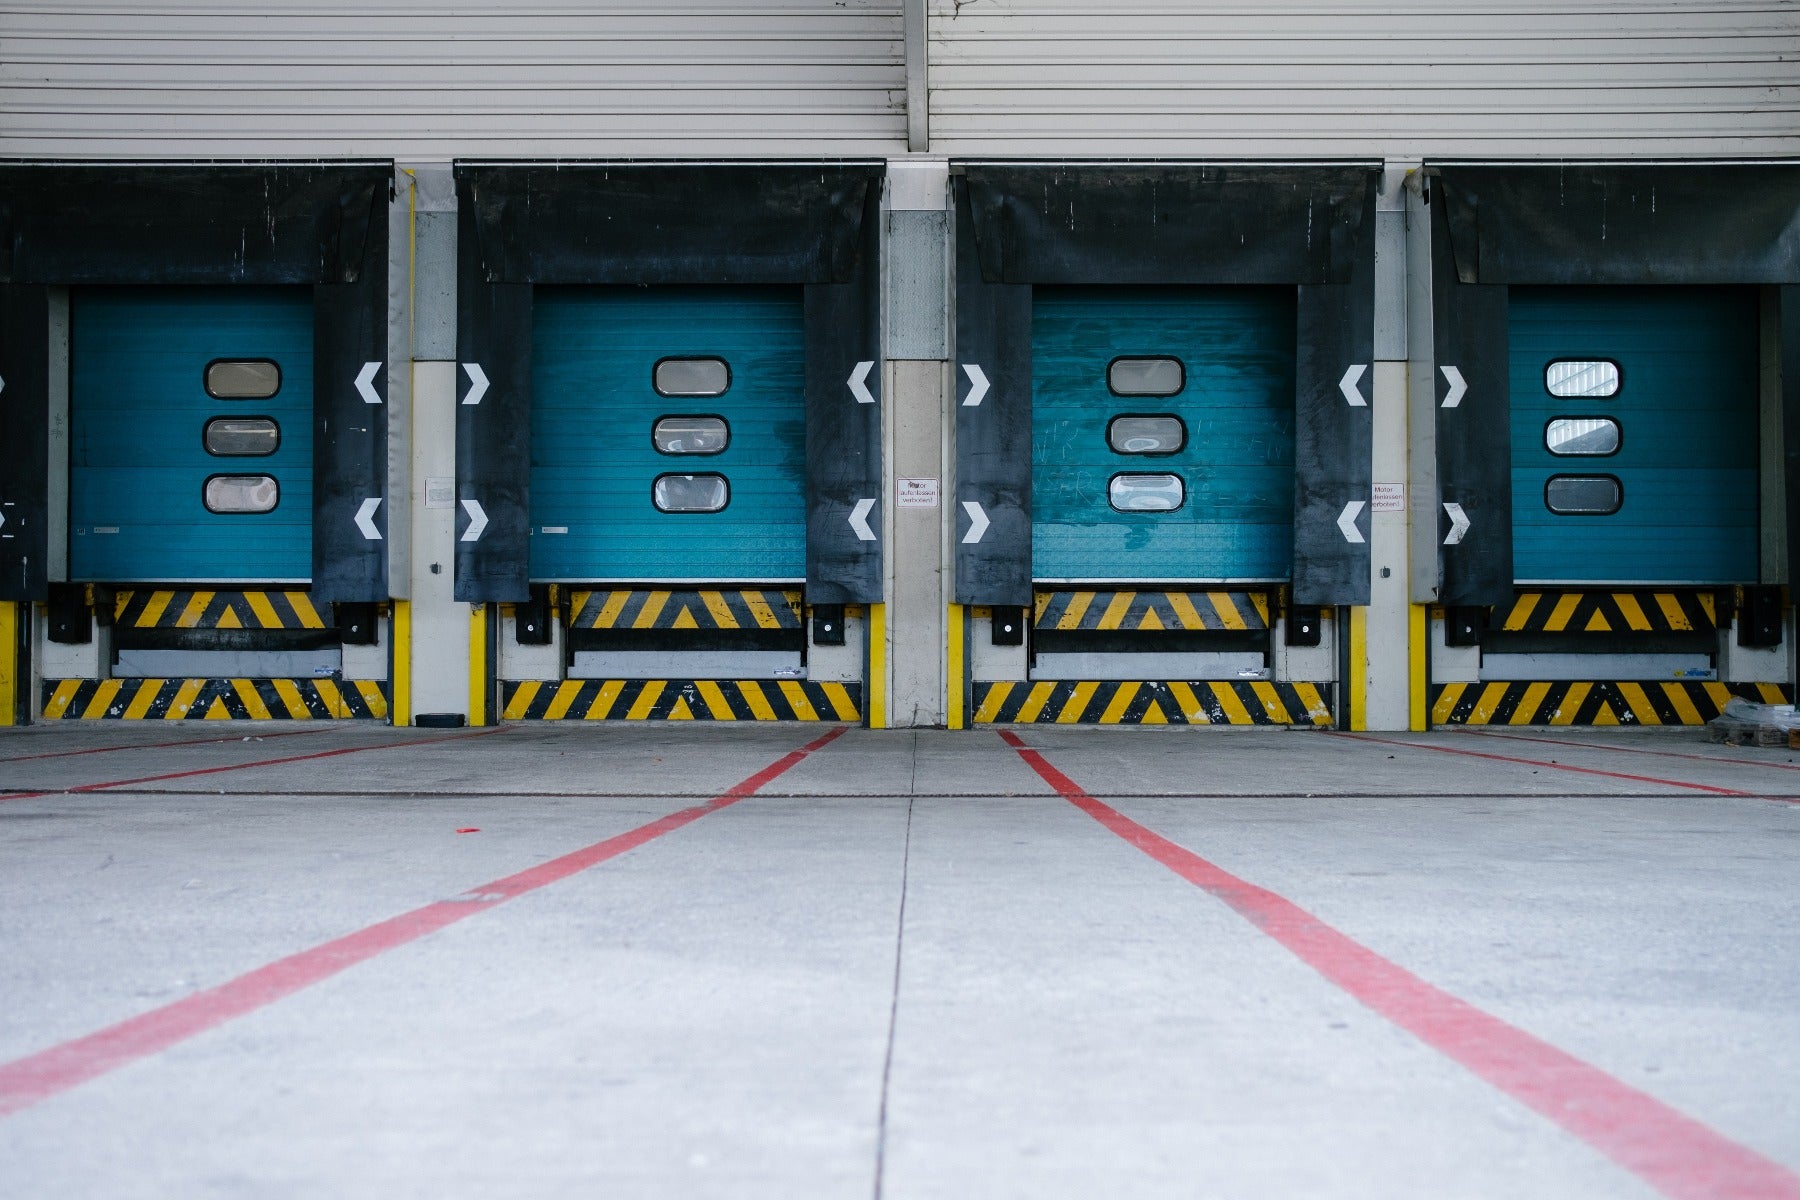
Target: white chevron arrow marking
pixel 365 383
pixel 1458 386
pixel 978 385
pixel 859 520
pixel 2 519
pixel 478 383
pixel 365 518
pixel 1347 385
pixel 1459 523
pixel 859 386
pixel 2 385
pixel 978 522
pixel 1347 521
pixel 477 521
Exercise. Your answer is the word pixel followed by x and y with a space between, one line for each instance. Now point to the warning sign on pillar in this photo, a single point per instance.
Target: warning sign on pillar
pixel 915 493
pixel 1388 497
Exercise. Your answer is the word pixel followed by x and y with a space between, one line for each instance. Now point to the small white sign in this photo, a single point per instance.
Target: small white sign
pixel 916 493
pixel 1389 497
pixel 440 493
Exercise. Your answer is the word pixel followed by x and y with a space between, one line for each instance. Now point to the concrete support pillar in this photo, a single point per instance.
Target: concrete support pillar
pixel 915 399
pixel 1387 651
pixel 432 638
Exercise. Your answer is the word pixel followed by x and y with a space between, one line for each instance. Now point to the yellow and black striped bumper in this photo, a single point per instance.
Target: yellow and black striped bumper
pixel 1630 611
pixel 214 699
pixel 216 610
pixel 681 700
pixel 1155 702
pixel 713 609
pixel 1597 702
pixel 1135 611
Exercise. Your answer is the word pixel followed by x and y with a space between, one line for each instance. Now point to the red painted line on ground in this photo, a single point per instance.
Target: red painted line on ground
pixel 26 1081
pixel 78 789
pixel 1666 1148
pixel 157 745
pixel 1536 762
pixel 1705 758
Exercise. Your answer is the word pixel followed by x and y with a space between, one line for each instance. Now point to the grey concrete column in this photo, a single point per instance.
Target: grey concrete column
pixel 915 399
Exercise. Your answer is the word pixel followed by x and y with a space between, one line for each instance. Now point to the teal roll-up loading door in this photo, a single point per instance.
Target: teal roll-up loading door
pixel 1162 434
pixel 1644 468
pixel 668 434
pixel 191 439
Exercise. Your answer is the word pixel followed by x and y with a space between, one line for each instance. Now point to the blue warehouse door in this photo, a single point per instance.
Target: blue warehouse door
pixel 1634 434
pixel 1162 434
pixel 191 451
pixel 668 434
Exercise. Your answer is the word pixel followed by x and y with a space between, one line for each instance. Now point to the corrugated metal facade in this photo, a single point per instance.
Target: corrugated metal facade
pixel 426 79
pixel 1354 78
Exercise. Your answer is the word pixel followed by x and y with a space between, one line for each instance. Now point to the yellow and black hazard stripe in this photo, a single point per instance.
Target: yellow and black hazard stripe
pixel 1154 702
pixel 216 610
pixel 681 700
pixel 711 609
pixel 1147 611
pixel 1629 611
pixel 214 699
pixel 1594 702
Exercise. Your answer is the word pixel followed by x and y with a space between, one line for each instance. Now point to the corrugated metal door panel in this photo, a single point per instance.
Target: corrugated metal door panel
pixel 417 79
pixel 593 465
pixel 1237 467
pixel 1687 411
pixel 138 413
pixel 1361 78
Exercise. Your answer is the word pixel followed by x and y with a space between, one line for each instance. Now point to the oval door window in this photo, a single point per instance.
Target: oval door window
pixel 242 378
pixel 245 437
pixel 690 435
pixel 1584 495
pixel 242 494
pixel 1145 376
pixel 1582 436
pixel 691 377
pixel 1155 434
pixel 690 493
pixel 1146 493
pixel 1582 377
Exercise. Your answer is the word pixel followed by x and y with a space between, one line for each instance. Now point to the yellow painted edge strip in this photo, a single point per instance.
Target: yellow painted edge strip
pixel 1271 702
pixel 400 632
pixel 1078 702
pixel 520 704
pixel 101 700
pixel 1530 702
pixel 877 666
pixel 303 608
pixel 1572 701
pixel 567 693
pixel 1632 611
pixel 1190 705
pixel 334 699
pixel 1357 717
pixel 759 703
pixel 478 668
pixel 1114 616
pixel 956 673
pixel 1078 606
pixel 1491 697
pixel 1639 704
pixel 1418 691
pixel 993 702
pixel 1317 713
pixel 1771 693
pixel 652 692
pixel 1709 605
pixel 153 610
pixel 266 616
pixel 252 702
pixel 1227 610
pixel 654 603
pixel 289 692
pixel 9 661
pixel 147 691
pixel 1671 610
pixel 61 698
pixel 1185 611
pixel 183 703
pixel 610 610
